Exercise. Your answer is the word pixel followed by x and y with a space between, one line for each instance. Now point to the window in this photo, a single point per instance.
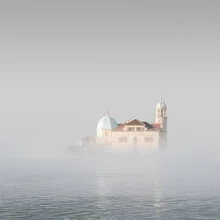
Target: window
pixel 130 128
pixel 135 140
pixel 122 139
pixel 158 113
pixel 146 139
pixel 139 129
pixel 161 112
pixel 149 139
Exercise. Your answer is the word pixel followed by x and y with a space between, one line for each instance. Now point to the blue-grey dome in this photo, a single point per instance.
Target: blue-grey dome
pixel 107 123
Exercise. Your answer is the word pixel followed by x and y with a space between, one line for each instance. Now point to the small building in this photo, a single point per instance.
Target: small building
pixel 134 133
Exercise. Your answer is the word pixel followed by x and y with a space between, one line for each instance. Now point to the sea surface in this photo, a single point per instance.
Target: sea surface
pixel 159 185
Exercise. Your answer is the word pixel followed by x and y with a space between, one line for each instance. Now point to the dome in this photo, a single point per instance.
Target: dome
pixel 107 123
pixel 161 104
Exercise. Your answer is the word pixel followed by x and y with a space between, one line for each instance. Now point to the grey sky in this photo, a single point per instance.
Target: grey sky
pixel 63 63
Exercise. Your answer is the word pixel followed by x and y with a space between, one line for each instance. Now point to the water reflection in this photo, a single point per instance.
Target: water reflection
pixel 157 198
pixel 103 188
pixel 111 188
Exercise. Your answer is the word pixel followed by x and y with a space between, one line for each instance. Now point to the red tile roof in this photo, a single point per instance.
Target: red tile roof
pixel 155 125
pixel 147 125
pixel 120 127
pixel 135 122
pixel 153 129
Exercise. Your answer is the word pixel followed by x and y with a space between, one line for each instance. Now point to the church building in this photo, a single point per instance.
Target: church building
pixel 134 133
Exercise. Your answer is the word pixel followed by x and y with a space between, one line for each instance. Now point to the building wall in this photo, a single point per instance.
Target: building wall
pixel 136 138
pixel 163 139
pixel 104 133
pixel 131 139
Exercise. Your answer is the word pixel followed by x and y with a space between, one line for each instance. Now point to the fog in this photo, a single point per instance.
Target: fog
pixel 64 63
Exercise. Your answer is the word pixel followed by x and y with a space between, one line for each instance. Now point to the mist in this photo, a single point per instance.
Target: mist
pixel 64 63
pixel 62 70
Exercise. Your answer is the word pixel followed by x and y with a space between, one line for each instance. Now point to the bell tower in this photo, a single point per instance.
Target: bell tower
pixel 161 118
pixel 161 115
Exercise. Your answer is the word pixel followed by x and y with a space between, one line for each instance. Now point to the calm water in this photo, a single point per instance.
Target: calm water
pixel 160 185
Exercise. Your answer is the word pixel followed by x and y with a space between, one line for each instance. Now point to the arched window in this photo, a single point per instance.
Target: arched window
pixel 165 113
pixel 158 113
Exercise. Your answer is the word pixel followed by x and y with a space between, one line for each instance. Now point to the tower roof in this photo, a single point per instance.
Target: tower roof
pixel 161 104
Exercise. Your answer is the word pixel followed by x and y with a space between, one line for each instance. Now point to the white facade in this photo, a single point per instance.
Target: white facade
pixel 134 133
